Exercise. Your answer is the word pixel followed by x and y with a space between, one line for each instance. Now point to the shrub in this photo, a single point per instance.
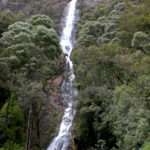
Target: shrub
pixel 146 146
pixel 140 39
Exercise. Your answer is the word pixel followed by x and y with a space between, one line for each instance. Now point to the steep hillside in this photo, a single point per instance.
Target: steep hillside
pixel 53 8
pixel 112 61
pixel 31 65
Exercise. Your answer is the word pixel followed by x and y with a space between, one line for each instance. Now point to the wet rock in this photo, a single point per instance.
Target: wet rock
pixel 55 92
pixel 57 81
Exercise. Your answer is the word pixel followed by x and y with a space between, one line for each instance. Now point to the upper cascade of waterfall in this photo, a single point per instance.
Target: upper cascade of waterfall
pixel 66 37
pixel 62 140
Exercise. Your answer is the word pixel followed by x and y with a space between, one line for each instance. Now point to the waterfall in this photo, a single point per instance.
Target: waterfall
pixel 62 140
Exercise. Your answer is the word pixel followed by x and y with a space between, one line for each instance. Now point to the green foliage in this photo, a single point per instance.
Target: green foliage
pixel 146 146
pixel 136 17
pixel 140 40
pixel 30 56
pixel 12 123
pixel 112 70
pixel 41 20
pixel 23 41
pixel 130 114
pixel 125 38
pixel 48 39
pixel 12 146
pixel 6 18
pixel 90 31
pixel 105 63
pixel 91 123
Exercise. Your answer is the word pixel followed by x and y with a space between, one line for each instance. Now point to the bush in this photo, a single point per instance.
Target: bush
pixel 140 39
pixel 12 121
pixel 146 47
pixel 12 146
pixel 41 20
pixel 146 146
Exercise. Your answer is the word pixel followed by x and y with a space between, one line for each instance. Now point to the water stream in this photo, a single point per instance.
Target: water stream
pixel 62 140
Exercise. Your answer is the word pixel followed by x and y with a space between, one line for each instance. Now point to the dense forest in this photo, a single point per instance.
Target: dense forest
pixel 112 64
pixel 30 55
pixel 112 67
pixel 30 62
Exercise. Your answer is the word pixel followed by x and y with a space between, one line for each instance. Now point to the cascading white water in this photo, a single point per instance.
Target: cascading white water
pixel 62 140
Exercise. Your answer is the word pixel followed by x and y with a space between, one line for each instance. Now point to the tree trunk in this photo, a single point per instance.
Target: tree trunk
pixel 29 129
